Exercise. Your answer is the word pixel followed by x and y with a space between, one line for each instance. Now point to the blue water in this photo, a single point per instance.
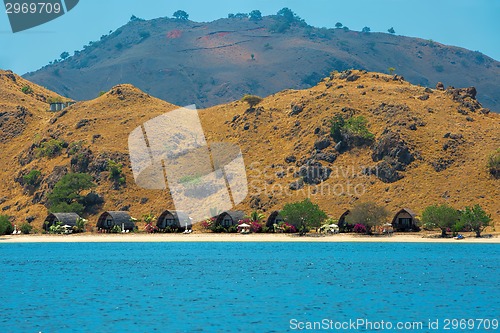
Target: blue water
pixel 241 287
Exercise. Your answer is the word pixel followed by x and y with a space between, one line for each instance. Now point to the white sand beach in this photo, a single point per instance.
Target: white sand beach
pixel 211 237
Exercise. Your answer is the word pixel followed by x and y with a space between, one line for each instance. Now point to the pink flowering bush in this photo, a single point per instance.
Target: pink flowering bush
pixel 360 228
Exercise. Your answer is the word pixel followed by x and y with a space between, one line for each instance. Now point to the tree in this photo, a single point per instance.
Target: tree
pixel 287 14
pixel 338 25
pixel 443 217
pixel 366 30
pixel 391 31
pixel 303 215
pixel 475 218
pixel 64 55
pixel 252 100
pixel 66 195
pixel 255 15
pixel 181 15
pixel 368 214
pixel 391 70
pixel 6 227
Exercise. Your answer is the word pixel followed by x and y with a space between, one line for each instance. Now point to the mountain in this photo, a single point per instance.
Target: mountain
pixel 211 63
pixel 430 146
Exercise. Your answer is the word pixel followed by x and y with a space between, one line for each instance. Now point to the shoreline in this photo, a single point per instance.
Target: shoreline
pixel 209 237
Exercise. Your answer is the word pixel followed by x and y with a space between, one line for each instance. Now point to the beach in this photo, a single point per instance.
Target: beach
pixel 213 237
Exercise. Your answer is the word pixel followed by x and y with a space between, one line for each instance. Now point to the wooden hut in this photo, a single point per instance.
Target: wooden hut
pixel 405 220
pixel 230 218
pixel 108 220
pixel 62 218
pixel 274 218
pixel 174 219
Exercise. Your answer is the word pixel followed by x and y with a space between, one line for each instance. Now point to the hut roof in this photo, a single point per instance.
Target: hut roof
pixel 235 215
pixel 404 210
pixel 181 217
pixel 119 216
pixel 64 218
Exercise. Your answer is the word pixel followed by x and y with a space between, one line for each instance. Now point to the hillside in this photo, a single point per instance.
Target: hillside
pixel 211 63
pixel 431 146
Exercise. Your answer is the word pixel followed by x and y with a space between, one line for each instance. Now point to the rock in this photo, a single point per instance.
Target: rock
pixel 296 185
pixel 81 123
pixel 390 145
pixel 322 144
pixel 413 127
pixel 428 90
pixel 290 159
pixel 424 97
pixel 352 78
pixel 143 201
pixel 93 199
pixel 327 157
pixel 441 164
pixel 386 172
pixel 469 118
pixel 345 74
pixel 296 109
pixel 6 207
pixel 440 86
pixel 57 173
pixel 2 200
pixel 314 174
pixel 360 86
pixel 246 127
pixel 280 174
pixel 30 218
pixel 235 118
pixel 125 208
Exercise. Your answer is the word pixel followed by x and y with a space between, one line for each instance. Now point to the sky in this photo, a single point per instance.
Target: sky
pixel 472 24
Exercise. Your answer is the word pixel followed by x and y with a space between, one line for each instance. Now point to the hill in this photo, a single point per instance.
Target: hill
pixel 217 62
pixel 430 146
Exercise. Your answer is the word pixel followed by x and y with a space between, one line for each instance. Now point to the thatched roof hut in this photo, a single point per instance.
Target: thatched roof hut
pixel 230 218
pixel 62 218
pixel 274 218
pixel 405 220
pixel 108 220
pixel 174 219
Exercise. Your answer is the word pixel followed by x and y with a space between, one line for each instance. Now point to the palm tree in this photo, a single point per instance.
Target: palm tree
pixel 256 216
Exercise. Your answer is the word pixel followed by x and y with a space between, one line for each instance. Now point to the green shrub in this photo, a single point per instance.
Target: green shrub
pixel 116 229
pixel 56 228
pixel 6 228
pixel 116 172
pixel 494 164
pixel 80 225
pixel 33 178
pixel 352 132
pixel 27 90
pixel 51 148
pixel 26 228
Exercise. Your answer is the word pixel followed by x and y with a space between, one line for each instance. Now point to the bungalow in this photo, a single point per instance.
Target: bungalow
pixel 405 220
pixel 174 219
pixel 342 223
pixel 62 218
pixel 229 218
pixel 58 106
pixel 108 220
pixel 274 218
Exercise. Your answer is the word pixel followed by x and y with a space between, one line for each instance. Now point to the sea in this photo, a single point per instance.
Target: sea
pixel 249 287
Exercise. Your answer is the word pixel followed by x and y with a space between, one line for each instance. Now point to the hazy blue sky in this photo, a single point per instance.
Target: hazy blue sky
pixel 473 24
